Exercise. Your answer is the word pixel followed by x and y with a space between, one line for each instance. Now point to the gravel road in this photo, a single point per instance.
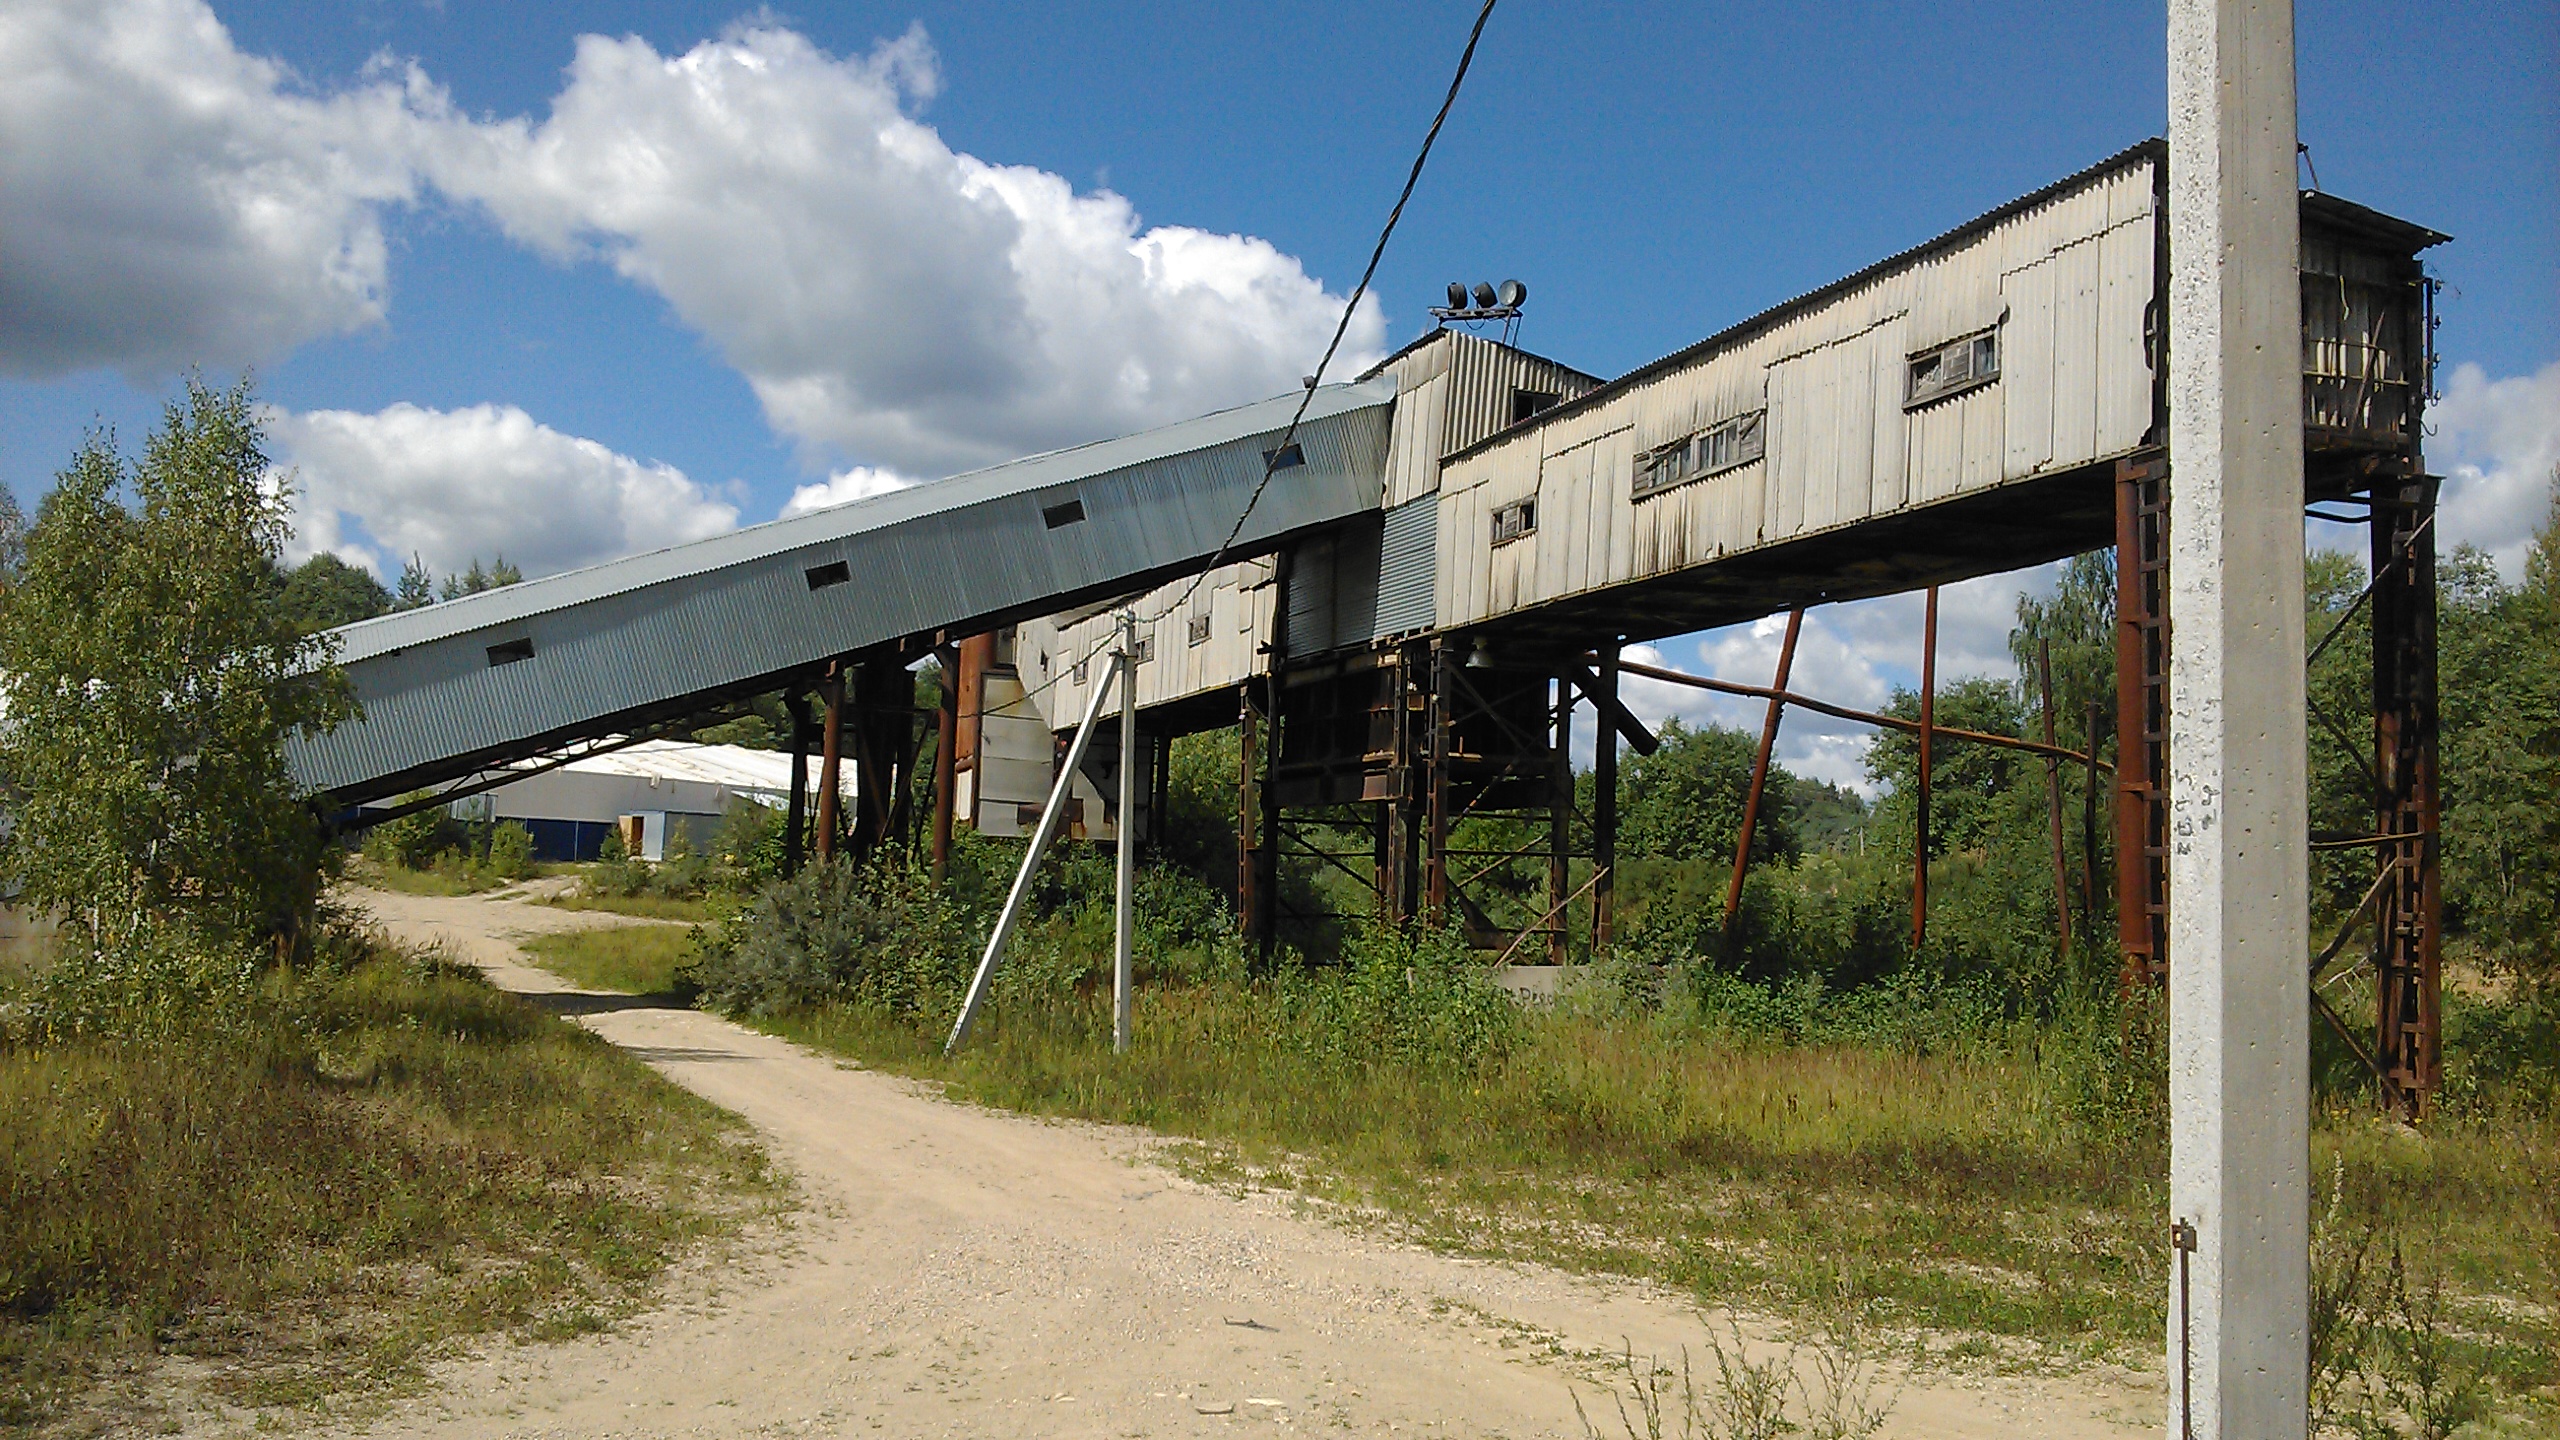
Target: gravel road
pixel 959 1271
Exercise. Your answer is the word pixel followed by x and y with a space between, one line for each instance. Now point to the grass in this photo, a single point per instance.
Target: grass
pixel 691 910
pixel 1966 1189
pixel 635 959
pixel 320 1197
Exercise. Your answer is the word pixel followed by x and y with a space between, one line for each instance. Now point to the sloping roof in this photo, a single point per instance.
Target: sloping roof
pixel 2152 152
pixel 736 766
pixel 455 687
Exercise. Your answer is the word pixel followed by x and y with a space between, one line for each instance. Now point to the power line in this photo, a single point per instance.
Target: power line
pixel 1307 395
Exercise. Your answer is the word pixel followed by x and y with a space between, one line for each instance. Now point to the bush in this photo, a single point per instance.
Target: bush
pixel 1412 997
pixel 510 851
pixel 147 981
pixel 876 936
pixel 413 841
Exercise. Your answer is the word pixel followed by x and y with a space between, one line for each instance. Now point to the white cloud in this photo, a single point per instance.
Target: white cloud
pixel 453 485
pixel 843 488
pixel 888 298
pixel 2497 443
pixel 167 200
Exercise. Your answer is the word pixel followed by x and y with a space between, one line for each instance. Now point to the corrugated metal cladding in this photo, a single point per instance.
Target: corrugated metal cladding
pixel 1209 640
pixel 2058 283
pixel 1332 590
pixel 1453 390
pixel 959 554
pixel 1406 542
pixel 1450 388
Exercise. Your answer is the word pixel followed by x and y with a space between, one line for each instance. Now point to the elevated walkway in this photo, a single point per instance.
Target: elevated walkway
pixel 453 689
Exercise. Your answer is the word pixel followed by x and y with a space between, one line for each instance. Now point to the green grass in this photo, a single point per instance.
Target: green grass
pixel 635 959
pixel 1963 1190
pixel 690 910
pixel 319 1197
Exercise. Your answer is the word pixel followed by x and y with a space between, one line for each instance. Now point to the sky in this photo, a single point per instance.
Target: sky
pixel 572 280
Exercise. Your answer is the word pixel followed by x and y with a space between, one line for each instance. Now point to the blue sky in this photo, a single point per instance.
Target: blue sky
pixel 1653 173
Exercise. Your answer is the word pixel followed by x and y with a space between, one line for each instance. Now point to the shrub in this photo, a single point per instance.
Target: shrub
pixel 1409 996
pixel 413 841
pixel 875 936
pixel 510 851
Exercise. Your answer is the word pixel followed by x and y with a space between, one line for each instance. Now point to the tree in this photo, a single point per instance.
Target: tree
pixel 325 592
pixel 417 585
pixel 151 680
pixel 1684 801
pixel 1975 790
pixel 2500 679
pixel 2078 621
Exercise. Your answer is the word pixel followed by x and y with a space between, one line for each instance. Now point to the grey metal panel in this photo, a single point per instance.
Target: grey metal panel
pixel 1333 590
pixel 960 554
pixel 1408 540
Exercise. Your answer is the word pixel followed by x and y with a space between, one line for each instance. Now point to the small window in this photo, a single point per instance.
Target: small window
pixel 1952 369
pixel 1146 648
pixel 1197 629
pixel 834 572
pixel 1719 448
pixel 1083 671
pixel 1285 457
pixel 1526 403
pixel 509 652
pixel 1515 520
pixel 1069 512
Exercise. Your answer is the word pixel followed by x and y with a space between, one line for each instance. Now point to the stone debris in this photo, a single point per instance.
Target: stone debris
pixel 1223 1407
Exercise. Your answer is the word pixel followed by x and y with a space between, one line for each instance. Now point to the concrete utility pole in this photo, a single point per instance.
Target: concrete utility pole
pixel 2239 1018
pixel 1125 877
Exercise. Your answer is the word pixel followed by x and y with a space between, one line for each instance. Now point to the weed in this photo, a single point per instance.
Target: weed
pixel 1747 1399
pixel 370 1157
pixel 634 959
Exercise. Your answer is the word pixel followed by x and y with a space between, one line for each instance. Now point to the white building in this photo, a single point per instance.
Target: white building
pixel 664 786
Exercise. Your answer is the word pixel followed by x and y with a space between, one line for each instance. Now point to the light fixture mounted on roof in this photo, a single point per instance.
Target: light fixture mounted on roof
pixel 1486 302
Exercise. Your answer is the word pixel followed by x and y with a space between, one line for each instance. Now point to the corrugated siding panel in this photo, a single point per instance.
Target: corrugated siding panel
pixel 2124 367
pixel 1840 446
pixel 433 704
pixel 1406 551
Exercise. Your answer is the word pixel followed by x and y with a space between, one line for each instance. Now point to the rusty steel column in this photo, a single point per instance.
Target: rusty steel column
pixel 1248 811
pixel 1760 763
pixel 1399 701
pixel 2053 797
pixel 2090 907
pixel 946 770
pixel 2408 952
pixel 1928 742
pixel 1604 804
pixel 795 822
pixel 1435 781
pixel 1266 883
pixel 830 763
pixel 1560 818
pixel 2142 719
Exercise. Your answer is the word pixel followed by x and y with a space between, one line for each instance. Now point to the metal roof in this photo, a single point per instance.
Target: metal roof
pixel 452 688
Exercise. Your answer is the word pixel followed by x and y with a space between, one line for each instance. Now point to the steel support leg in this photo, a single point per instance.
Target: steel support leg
pixel 2142 720
pixel 795 823
pixel 2407 955
pixel 1560 820
pixel 1604 806
pixel 1928 745
pixel 1250 897
pixel 831 764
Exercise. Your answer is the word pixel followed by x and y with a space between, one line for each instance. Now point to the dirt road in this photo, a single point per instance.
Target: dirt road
pixel 964 1272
